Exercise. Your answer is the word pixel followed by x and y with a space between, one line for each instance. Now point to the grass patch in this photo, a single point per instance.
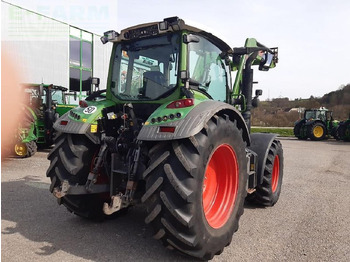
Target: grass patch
pixel 280 131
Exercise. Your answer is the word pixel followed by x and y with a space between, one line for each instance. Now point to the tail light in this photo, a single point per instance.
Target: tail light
pixel 83 104
pixel 181 103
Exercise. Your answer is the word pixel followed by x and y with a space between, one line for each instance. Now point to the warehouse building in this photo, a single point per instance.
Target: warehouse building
pixel 49 51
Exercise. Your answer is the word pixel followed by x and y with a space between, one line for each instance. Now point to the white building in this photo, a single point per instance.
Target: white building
pixel 49 51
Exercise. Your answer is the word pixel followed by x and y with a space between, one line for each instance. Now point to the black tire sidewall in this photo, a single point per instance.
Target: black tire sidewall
pixel 219 135
pixel 175 205
pixel 297 128
pixel 264 196
pixel 275 195
pixel 31 148
pixel 86 205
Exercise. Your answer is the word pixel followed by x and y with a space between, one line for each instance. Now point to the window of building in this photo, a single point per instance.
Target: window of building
pixel 80 60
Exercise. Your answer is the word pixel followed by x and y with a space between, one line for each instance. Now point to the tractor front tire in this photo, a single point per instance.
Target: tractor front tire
pixel 267 193
pixel 195 189
pixel 71 159
pixel 317 131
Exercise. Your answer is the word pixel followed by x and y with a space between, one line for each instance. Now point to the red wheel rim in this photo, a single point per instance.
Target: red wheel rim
pixel 275 173
pixel 220 186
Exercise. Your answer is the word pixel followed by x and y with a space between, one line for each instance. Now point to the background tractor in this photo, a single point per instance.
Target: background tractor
pixel 343 130
pixel 172 132
pixel 42 106
pixel 317 124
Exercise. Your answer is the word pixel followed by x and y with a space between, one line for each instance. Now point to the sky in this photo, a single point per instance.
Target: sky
pixel 312 36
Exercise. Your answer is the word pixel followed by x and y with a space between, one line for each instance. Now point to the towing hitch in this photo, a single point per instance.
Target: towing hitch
pixel 68 189
pixel 115 205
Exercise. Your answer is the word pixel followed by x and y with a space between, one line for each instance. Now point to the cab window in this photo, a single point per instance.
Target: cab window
pixel 208 68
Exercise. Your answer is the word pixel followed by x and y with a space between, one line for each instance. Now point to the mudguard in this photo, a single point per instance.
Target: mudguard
pixel 299 121
pixel 311 122
pixel 298 125
pixel 27 134
pixel 83 120
pixel 260 144
pixel 29 126
pixel 75 127
pixel 193 122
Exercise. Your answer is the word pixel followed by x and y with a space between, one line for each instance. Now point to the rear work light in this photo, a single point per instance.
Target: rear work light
pixel 181 103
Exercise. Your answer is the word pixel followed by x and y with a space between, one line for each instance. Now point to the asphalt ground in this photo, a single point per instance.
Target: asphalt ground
pixel 310 222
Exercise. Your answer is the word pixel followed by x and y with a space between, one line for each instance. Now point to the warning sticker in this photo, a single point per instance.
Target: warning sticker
pixel 90 110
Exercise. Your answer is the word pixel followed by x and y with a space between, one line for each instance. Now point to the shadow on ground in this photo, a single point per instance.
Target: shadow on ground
pixel 37 217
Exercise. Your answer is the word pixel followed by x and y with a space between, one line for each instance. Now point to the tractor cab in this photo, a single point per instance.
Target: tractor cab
pixel 42 105
pixel 169 60
pixel 317 124
pixel 151 64
pixel 316 114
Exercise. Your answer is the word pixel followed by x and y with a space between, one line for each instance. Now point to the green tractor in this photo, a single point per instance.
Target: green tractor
pixel 317 124
pixel 172 132
pixel 343 130
pixel 43 105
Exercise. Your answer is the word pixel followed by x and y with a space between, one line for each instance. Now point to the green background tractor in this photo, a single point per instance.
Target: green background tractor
pixel 172 132
pixel 343 130
pixel 317 124
pixel 42 106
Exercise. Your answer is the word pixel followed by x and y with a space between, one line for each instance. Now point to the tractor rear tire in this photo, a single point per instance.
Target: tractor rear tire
pixel 71 160
pixel 343 131
pixel 26 149
pixel 32 148
pixel 347 132
pixel 317 131
pixel 195 189
pixel 296 130
pixel 267 193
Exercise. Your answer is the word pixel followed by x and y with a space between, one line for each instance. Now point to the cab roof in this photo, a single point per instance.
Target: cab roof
pixel 171 24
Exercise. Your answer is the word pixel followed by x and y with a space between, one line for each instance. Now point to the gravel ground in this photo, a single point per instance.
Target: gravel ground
pixel 309 223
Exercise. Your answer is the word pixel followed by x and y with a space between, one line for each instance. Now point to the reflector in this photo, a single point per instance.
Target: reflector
pixel 167 129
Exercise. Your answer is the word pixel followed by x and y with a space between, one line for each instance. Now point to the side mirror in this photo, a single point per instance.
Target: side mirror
pixel 255 101
pixel 96 82
pixel 184 75
pixel 266 62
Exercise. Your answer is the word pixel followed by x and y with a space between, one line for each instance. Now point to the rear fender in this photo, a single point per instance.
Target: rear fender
pixel 83 120
pixel 260 144
pixel 311 122
pixel 27 135
pixel 29 126
pixel 193 122
pixel 298 127
pixel 299 122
